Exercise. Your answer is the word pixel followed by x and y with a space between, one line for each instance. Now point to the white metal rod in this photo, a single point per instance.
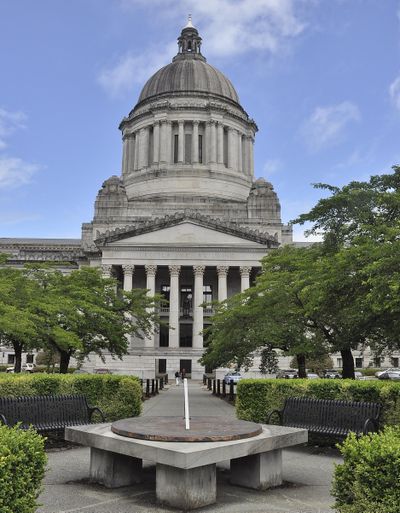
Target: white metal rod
pixel 186 395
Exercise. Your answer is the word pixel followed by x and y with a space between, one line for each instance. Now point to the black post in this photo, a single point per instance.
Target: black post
pixel 157 387
pixel 152 387
pixel 231 392
pixel 218 387
pixel 209 385
pixel 161 383
pixel 214 386
pixel 223 388
pixel 147 388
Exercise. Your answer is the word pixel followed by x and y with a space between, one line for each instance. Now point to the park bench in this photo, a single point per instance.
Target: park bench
pixel 47 412
pixel 329 417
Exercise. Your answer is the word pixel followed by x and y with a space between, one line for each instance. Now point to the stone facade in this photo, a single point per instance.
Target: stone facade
pixel 186 217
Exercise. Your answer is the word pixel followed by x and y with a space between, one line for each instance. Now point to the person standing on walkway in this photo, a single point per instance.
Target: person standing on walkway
pixel 177 378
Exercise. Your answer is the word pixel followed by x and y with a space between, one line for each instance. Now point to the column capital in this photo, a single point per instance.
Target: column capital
pixel 128 269
pixel 199 270
pixel 211 122
pixel 181 122
pixel 164 121
pixel 106 269
pixel 151 269
pixel 245 270
pixel 156 122
pixel 222 270
pixel 174 270
pixel 196 122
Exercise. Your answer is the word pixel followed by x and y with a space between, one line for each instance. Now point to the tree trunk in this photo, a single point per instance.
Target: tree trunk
pixel 18 356
pixel 301 365
pixel 64 361
pixel 348 364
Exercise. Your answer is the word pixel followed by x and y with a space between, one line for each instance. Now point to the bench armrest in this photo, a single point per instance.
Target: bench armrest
pixel 271 414
pixel 370 425
pixel 92 410
pixel 3 420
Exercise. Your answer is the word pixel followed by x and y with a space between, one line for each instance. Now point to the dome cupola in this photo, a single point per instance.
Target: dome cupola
pixel 189 42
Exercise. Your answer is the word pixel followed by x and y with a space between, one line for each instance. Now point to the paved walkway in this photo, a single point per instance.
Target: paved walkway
pixel 307 474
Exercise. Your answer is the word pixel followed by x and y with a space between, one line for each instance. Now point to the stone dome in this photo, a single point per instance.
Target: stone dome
pixel 189 75
pixel 189 72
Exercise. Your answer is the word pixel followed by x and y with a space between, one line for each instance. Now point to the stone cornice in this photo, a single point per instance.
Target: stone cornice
pixel 226 227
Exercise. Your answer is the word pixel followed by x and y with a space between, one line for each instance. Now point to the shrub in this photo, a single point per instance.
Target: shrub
pixel 22 466
pixel 368 480
pixel 118 396
pixel 255 397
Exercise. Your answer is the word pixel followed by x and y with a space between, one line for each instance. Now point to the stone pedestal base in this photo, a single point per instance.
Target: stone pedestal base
pixel 186 489
pixel 114 470
pixel 258 471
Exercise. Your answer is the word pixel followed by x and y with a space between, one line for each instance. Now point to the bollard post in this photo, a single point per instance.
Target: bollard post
pixel 147 388
pixel 152 387
pixel 209 385
pixel 214 388
pixel 223 388
pixel 161 383
pixel 157 387
pixel 231 392
pixel 166 379
pixel 218 387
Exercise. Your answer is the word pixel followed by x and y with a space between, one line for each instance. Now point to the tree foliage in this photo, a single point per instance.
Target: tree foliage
pixel 330 297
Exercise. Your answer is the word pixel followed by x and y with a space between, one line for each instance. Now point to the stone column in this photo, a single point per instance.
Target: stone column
pixel 174 307
pixel 136 156
pixel 231 148
pixel 168 144
pixel 213 142
pixel 151 271
pixel 163 141
pixel 181 142
pixel 128 273
pixel 146 143
pixel 220 144
pixel 206 143
pixel 245 277
pixel 156 142
pixel 106 270
pixel 197 309
pixel 195 143
pixel 222 271
pixel 125 155
pixel 239 155
pixel 245 156
pixel 140 148
pixel 251 149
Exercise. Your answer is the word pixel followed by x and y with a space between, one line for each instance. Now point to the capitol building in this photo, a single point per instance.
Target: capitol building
pixel 185 218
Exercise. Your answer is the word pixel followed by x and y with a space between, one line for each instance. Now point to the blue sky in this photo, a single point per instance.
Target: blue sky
pixel 320 77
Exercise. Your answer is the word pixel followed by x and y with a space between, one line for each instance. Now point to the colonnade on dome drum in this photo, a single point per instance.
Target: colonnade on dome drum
pixel 188 143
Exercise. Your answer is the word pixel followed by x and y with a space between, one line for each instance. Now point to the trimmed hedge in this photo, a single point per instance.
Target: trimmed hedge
pixel 22 466
pixel 368 480
pixel 118 396
pixel 256 397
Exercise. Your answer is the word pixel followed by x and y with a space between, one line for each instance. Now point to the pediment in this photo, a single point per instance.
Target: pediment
pixel 186 229
pixel 185 234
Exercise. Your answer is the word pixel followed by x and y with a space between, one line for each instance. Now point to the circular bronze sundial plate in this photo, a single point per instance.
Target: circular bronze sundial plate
pixel 172 429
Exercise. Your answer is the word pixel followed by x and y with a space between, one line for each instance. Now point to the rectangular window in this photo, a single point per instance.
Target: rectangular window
pixel 11 359
pixel 339 362
pixel 29 358
pixel 226 147
pixel 200 149
pixel 165 289
pixel 395 362
pixel 359 363
pixel 207 293
pixel 188 148
pixel 186 300
pixel 185 335
pixel 151 148
pixel 164 336
pixel 377 361
pixel 162 366
pixel 176 146
pixel 186 365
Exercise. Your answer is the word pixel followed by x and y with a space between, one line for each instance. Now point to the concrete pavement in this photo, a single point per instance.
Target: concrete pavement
pixel 307 474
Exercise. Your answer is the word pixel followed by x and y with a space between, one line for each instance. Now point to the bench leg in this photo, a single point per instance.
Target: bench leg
pixel 258 471
pixel 186 489
pixel 114 470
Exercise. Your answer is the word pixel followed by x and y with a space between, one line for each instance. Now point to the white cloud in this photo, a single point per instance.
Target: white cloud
pixel 9 123
pixel 14 172
pixel 272 166
pixel 326 125
pixel 228 28
pixel 394 91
